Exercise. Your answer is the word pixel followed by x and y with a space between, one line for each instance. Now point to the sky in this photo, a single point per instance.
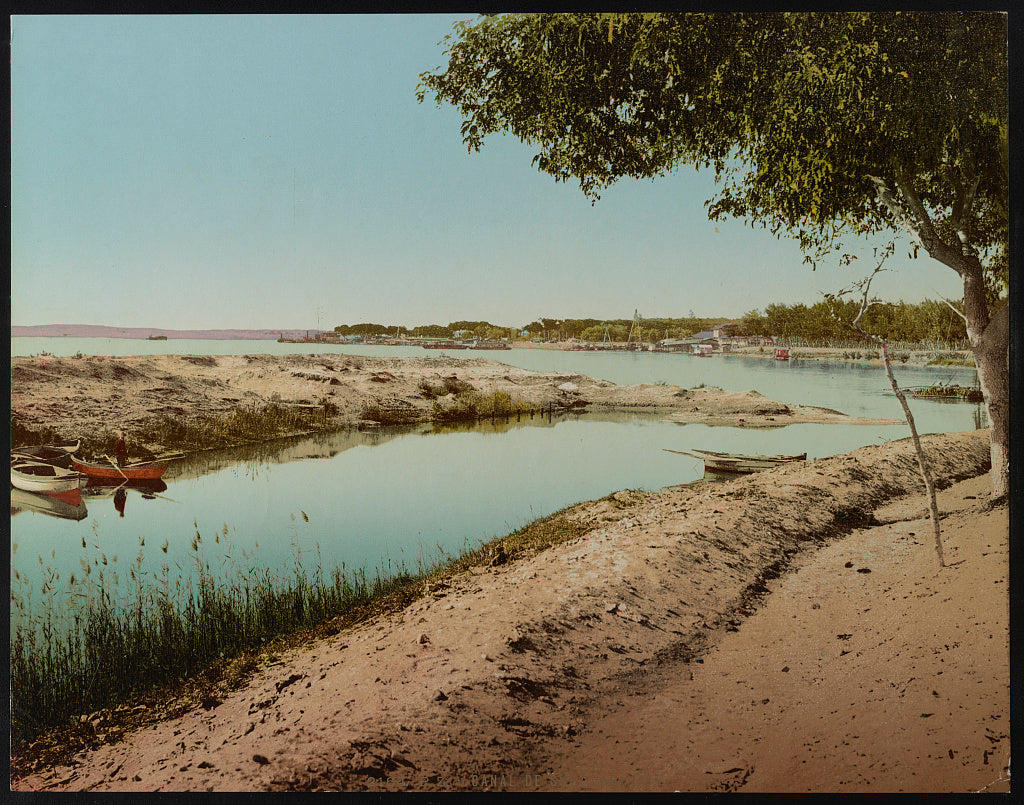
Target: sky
pixel 209 172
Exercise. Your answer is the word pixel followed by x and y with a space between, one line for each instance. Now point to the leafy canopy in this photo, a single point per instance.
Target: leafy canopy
pixel 793 112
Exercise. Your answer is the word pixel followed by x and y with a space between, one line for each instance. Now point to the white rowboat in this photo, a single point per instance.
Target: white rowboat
pixel 38 476
pixel 738 462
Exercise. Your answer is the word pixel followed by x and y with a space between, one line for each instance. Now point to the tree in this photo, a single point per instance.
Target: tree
pixel 818 126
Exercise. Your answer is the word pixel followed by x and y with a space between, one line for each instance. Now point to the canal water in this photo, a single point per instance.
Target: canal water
pixel 393 498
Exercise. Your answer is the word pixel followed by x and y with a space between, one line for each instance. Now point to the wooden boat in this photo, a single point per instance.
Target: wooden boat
pixel 65 505
pixel 58 454
pixel 38 476
pixel 738 462
pixel 135 471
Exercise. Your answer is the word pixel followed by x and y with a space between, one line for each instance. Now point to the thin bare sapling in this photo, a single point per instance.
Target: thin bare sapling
pixel 864 288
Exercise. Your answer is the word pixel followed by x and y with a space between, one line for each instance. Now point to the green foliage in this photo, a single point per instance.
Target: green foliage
pixel 950 359
pixel 794 112
pixel 432 331
pixel 949 391
pixel 473 405
pixel 830 320
pixel 364 329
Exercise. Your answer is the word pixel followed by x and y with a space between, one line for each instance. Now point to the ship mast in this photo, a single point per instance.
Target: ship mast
pixel 635 329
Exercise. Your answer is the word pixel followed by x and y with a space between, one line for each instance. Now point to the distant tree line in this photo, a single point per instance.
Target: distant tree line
pixel 830 320
pixel 825 321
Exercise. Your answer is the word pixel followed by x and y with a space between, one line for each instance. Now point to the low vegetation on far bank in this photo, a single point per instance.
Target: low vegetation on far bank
pixel 244 425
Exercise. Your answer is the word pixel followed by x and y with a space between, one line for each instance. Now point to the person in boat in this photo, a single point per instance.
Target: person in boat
pixel 121 450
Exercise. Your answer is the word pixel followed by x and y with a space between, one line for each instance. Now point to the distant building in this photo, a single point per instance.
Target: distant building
pixel 674 344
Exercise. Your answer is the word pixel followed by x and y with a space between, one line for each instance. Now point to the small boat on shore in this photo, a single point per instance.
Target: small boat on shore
pixel 38 476
pixel 136 471
pixel 738 462
pixel 58 454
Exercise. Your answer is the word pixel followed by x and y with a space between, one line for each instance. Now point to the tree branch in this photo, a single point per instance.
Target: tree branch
pixel 952 307
pixel 915 220
pixel 926 230
pixel 965 191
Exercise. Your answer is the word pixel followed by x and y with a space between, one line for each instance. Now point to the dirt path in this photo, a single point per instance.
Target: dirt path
pixel 867 670
pixel 646 656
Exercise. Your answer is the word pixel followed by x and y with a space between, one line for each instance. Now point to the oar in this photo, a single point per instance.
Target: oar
pixel 108 458
pixel 683 453
pixel 145 492
pixel 126 481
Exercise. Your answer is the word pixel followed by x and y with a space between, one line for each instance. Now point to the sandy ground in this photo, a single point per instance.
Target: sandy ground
pixel 786 631
pixel 93 396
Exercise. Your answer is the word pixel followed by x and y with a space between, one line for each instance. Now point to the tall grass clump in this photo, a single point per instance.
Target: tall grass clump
pixel 241 425
pixel 99 642
pixel 22 434
pixel 473 405
pixel 950 391
pixel 951 359
pixel 447 385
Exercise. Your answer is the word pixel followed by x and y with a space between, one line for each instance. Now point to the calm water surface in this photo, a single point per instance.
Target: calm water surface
pixel 399 496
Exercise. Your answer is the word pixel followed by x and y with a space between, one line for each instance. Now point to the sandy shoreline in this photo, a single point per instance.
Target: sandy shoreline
pixel 788 631
pixel 92 396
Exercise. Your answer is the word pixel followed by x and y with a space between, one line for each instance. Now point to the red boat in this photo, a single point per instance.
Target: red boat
pixel 138 471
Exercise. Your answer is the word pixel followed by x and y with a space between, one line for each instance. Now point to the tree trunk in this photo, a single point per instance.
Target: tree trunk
pixel 990 343
pixel 989 334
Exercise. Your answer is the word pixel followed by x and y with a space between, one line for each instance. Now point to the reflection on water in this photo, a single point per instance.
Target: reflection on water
pixel 402 495
pixel 100 489
pixel 64 505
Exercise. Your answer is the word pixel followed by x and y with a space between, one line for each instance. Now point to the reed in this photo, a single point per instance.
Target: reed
pixel 240 426
pixel 950 391
pixel 102 639
pixel 473 405
pixel 951 359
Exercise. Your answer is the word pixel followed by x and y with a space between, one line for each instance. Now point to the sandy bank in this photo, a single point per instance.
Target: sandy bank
pixel 670 648
pixel 91 396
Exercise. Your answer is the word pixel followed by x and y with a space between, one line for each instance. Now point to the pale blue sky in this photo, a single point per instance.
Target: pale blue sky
pixel 264 171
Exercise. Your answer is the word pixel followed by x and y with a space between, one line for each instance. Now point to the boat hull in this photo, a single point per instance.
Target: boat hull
pixel 740 466
pixel 57 454
pixel 739 463
pixel 146 471
pixel 46 479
